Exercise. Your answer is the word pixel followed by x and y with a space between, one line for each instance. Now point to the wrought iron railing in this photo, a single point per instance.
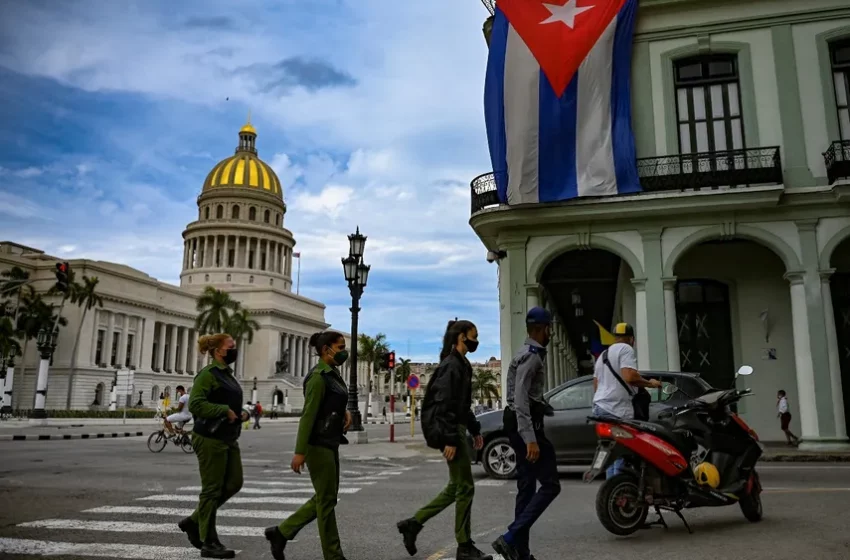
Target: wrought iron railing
pixel 709 170
pixel 484 192
pixel 837 160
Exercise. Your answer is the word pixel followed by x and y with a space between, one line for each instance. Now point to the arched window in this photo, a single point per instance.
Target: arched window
pixel 155 393
pixel 252 214
pixel 219 212
pixel 250 279
pixel 271 281
pixel 708 103
pixel 277 219
pixel 206 277
pixel 235 212
pixel 207 213
pixel 167 392
pixel 98 395
pixel 267 216
pixel 228 278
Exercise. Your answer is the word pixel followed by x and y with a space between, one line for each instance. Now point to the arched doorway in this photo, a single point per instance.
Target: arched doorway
pixel 584 288
pixel 733 307
pixel 839 285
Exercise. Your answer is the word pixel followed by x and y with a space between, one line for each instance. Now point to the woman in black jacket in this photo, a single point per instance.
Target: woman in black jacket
pixel 446 416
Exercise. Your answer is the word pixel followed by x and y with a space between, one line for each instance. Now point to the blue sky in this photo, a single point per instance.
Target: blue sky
pixel 369 110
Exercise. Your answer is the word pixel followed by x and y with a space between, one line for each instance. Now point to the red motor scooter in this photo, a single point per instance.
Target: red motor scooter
pixel 700 455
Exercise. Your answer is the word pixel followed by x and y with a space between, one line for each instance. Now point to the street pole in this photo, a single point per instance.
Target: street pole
pixel 8 387
pixel 392 405
pixel 356 275
pixel 353 401
pixel 46 346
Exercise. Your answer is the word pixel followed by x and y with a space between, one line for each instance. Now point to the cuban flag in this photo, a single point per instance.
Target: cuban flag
pixel 557 99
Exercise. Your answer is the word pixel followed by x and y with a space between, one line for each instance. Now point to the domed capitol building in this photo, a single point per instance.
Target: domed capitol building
pixel 237 244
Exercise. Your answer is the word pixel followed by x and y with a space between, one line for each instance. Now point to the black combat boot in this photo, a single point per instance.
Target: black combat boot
pixel 193 532
pixel 409 529
pixel 277 543
pixel 215 549
pixel 508 551
pixel 468 551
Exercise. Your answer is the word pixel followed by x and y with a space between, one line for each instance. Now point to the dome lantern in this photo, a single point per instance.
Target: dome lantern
pixel 247 137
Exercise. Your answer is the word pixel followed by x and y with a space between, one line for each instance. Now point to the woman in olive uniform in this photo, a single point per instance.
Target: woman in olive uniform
pixel 320 432
pixel 216 404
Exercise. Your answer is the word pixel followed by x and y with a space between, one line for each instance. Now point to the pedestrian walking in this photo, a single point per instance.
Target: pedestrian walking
pixel 385 414
pixel 523 421
pixel 784 415
pixel 446 417
pixel 258 413
pixel 321 430
pixel 216 405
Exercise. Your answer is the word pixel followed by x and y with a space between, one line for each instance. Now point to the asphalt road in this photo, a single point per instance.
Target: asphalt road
pixel 115 499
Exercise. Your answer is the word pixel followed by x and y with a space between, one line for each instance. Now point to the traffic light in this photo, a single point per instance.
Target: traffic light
pixel 391 360
pixel 63 276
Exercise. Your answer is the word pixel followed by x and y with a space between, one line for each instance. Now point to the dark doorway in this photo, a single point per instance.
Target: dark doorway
pixel 705 331
pixel 839 286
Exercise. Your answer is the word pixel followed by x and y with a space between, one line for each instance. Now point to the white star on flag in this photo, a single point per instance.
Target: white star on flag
pixel 565 14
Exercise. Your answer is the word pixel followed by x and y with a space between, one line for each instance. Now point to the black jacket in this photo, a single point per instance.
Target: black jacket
pixel 448 403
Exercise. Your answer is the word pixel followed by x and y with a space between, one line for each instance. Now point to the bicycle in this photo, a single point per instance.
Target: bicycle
pixel 160 438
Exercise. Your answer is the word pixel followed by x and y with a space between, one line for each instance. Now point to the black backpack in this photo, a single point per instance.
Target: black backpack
pixel 432 414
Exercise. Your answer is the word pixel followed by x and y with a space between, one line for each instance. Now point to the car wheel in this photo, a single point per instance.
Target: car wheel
pixel 499 459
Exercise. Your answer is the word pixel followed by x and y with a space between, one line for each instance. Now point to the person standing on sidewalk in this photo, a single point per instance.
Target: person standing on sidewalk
pixel 216 405
pixel 321 430
pixel 446 417
pixel 784 415
pixel 523 421
pixel 258 413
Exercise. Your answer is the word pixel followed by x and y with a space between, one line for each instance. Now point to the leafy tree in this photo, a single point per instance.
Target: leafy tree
pixel 83 295
pixel 214 310
pixel 12 285
pixel 34 315
pixel 9 345
pixel 370 350
pixel 240 325
pixel 485 385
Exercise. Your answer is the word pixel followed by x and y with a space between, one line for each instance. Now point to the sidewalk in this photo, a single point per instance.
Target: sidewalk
pixel 780 452
pixel 405 447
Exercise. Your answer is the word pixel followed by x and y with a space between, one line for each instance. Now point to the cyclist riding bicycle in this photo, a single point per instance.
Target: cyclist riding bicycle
pixel 182 415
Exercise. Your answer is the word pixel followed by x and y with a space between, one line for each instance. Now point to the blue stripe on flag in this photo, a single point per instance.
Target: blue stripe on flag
pixel 557 155
pixel 625 157
pixel 494 104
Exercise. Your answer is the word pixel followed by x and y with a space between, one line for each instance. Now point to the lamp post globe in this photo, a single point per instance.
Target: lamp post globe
pixel 356 244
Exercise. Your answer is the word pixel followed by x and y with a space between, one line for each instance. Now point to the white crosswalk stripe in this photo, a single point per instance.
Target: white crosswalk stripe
pixel 257 505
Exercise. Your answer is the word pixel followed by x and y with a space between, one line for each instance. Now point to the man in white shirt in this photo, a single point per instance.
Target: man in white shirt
pixel 785 417
pixel 182 415
pixel 610 397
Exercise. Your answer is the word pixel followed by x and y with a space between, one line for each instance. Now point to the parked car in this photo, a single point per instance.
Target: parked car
pixel 569 431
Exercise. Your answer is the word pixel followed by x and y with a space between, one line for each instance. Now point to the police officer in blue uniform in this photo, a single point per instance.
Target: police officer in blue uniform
pixel 523 420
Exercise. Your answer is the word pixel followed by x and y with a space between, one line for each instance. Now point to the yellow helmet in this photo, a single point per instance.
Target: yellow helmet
pixel 707 474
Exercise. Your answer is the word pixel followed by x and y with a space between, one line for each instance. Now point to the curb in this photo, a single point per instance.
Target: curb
pixel 46 437
pixel 807 458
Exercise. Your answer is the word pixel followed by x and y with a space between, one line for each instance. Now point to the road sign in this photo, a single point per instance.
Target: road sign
pixel 413 381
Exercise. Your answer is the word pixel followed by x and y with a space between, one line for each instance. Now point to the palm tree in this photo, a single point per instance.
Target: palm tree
pixel 485 386
pixel 9 345
pixel 13 284
pixel 35 314
pixel 240 325
pixel 84 295
pixel 214 310
pixel 370 351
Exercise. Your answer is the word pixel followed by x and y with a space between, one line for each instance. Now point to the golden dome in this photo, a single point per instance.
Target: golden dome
pixel 244 169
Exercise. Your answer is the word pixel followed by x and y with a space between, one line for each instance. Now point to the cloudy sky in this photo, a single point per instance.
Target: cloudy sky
pixel 369 110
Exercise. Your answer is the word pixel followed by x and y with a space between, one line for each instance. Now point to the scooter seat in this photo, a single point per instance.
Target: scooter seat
pixel 679 440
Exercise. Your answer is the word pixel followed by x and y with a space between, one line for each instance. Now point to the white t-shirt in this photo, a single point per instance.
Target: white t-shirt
pixel 610 394
pixel 184 400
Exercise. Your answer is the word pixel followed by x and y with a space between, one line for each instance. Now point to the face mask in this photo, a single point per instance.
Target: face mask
pixel 231 355
pixel 340 357
pixel 471 345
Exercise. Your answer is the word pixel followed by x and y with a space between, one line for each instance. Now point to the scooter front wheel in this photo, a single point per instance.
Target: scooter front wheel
pixel 751 502
pixel 617 505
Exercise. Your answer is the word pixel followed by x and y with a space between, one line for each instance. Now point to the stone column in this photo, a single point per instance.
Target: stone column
pixel 296 356
pixel 108 338
pixel 121 355
pixel 641 326
pixel 243 352
pixel 657 356
pixel 305 349
pixel 193 352
pixel 172 349
pixel 215 252
pixel 672 325
pixel 803 357
pixel 834 355
pixel 160 348
pixel 138 342
pixel 225 256
pixel 92 360
pixel 550 366
pixel 184 347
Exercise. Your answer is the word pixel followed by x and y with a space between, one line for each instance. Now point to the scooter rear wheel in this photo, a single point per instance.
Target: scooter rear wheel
pixel 617 505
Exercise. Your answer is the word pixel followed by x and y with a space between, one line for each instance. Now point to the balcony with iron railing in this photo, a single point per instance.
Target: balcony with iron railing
pixel 837 160
pixel 698 171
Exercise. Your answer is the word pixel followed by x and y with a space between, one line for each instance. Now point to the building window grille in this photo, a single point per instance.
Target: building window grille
pixel 839 54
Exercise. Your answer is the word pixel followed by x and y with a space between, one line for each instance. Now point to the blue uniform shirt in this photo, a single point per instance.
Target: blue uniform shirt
pixel 526 380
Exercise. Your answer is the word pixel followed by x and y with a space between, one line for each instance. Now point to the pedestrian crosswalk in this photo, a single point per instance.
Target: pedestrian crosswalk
pixel 147 527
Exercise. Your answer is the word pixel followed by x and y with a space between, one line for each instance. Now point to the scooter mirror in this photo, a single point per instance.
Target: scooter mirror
pixel 744 370
pixel 669 389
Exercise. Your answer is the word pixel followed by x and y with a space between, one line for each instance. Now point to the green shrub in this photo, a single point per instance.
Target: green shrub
pixel 134 413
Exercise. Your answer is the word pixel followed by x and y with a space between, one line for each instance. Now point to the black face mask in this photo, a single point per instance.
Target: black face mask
pixel 471 345
pixel 231 355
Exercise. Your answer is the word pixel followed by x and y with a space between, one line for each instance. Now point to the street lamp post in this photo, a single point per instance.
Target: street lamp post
pixel 46 345
pixel 356 274
pixel 9 364
pixel 254 393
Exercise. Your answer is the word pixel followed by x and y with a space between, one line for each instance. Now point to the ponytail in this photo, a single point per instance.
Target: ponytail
pixel 453 330
pixel 324 338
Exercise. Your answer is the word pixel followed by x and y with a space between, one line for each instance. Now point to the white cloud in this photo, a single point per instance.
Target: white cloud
pixel 332 200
